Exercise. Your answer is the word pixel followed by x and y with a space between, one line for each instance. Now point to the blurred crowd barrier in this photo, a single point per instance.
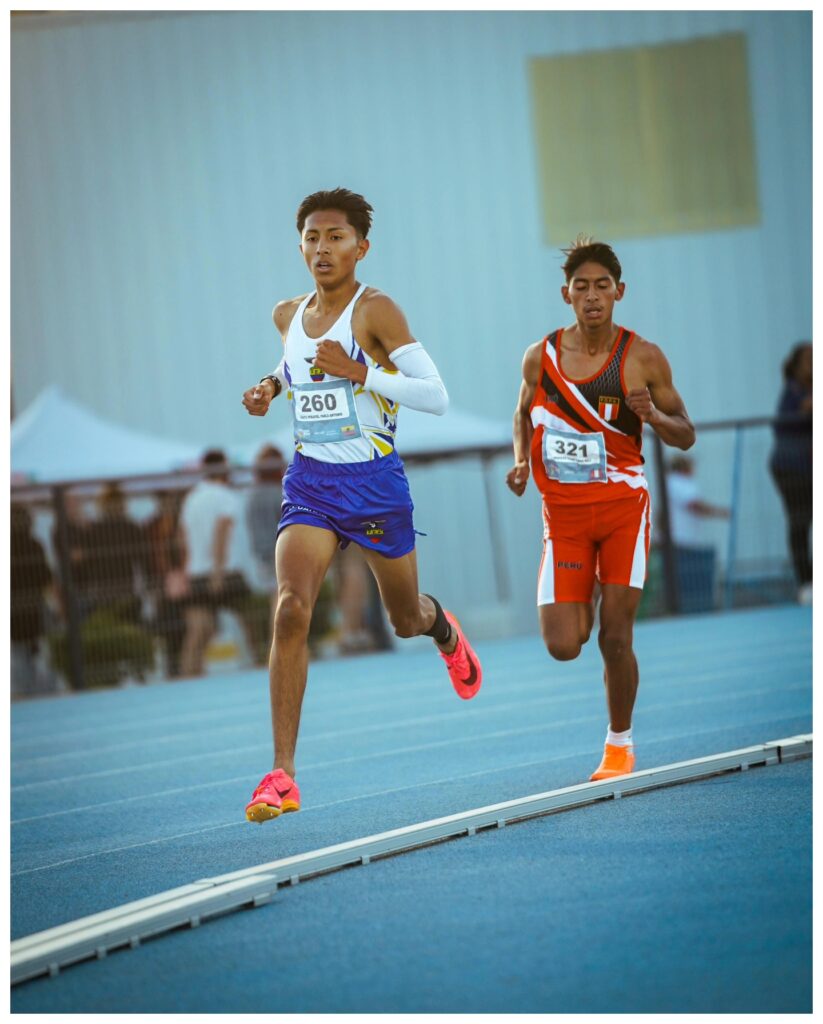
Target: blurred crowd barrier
pixel 730 523
pixel 103 590
pixel 100 593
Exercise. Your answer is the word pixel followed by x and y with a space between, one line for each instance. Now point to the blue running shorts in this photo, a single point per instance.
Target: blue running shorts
pixel 365 502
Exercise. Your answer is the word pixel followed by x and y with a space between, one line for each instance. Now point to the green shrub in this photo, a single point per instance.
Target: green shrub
pixel 113 649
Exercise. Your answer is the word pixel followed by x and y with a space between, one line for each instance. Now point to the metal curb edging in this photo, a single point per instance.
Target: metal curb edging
pixel 48 951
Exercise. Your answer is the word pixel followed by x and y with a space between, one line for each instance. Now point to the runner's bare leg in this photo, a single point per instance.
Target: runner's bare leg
pixel 618 610
pixel 566 626
pixel 410 612
pixel 303 556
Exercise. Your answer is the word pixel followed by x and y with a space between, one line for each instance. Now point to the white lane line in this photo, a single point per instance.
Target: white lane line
pixel 440 717
pixel 130 846
pixel 20 763
pixel 366 796
pixel 536 661
pixel 409 695
pixel 451 742
pixel 318 766
pixel 672 737
pixel 215 784
pixel 307 810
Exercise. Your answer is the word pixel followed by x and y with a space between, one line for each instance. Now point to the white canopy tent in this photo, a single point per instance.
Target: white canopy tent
pixel 58 439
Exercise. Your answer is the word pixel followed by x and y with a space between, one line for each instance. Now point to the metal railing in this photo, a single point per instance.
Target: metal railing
pixel 93 599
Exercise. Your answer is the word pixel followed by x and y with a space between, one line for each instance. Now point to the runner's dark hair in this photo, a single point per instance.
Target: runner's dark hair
pixel 358 212
pixel 585 248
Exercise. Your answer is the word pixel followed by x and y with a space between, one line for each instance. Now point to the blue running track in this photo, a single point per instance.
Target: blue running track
pixel 693 898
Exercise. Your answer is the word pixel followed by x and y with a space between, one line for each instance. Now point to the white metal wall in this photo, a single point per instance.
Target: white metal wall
pixel 158 159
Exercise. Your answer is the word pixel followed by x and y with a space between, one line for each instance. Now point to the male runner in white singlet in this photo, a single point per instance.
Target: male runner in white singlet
pixel 587 390
pixel 349 363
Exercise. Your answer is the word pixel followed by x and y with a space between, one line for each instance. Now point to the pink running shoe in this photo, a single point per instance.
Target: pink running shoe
pixel 463 664
pixel 276 794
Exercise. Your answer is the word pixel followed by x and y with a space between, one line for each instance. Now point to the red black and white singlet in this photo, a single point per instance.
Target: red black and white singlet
pixel 587 443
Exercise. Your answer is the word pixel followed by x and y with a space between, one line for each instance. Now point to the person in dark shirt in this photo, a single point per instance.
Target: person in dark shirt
pixel 263 513
pixel 30 578
pixel 117 553
pixel 167 578
pixel 78 554
pixel 791 460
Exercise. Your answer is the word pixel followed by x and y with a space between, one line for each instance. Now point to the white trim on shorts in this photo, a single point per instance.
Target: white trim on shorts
pixel 638 574
pixel 545 580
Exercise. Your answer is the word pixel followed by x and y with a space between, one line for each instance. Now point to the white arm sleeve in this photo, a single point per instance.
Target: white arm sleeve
pixel 417 385
pixel 279 374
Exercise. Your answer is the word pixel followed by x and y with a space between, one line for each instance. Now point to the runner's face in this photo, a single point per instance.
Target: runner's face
pixel 331 247
pixel 592 292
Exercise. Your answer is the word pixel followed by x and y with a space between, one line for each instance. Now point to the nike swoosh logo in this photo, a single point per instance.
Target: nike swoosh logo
pixel 471 679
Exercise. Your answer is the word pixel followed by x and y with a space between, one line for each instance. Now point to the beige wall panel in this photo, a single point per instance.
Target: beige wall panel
pixel 652 140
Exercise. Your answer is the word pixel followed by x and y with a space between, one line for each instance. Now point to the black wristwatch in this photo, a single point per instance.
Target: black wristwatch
pixel 278 387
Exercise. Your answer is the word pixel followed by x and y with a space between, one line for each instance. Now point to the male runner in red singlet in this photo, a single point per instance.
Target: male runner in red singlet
pixel 349 363
pixel 587 390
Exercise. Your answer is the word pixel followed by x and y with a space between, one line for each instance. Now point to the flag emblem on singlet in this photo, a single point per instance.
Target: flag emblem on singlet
pixel 608 408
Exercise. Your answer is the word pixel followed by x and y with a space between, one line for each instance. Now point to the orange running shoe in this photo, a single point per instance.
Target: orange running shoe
pixel 463 664
pixel 616 761
pixel 276 794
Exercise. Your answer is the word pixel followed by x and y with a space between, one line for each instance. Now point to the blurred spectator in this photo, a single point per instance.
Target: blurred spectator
pixel 30 580
pixel 78 553
pixel 215 581
pixel 263 514
pixel 791 460
pixel 168 583
pixel 694 559
pixel 687 510
pixel 353 593
pixel 362 619
pixel 117 557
